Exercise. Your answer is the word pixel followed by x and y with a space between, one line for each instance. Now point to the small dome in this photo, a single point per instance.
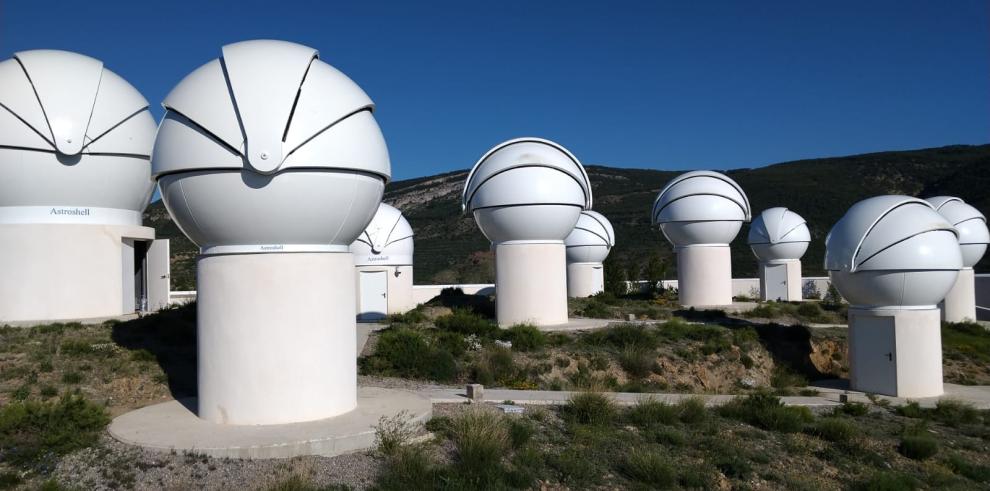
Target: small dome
pixel 778 234
pixel 75 142
pixel 591 240
pixel 701 207
pixel 387 241
pixel 893 251
pixel 527 189
pixel 269 149
pixel 969 222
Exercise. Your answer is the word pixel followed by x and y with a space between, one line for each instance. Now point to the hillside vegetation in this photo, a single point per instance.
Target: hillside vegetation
pixel 451 249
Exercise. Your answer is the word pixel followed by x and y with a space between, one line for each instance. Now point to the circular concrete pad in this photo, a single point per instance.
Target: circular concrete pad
pixel 173 426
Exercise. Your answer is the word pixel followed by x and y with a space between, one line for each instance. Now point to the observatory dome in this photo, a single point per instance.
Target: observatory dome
pixel 591 240
pixel 893 251
pixel 527 189
pixel 969 222
pixel 778 234
pixel 387 241
pixel 75 139
pixel 701 207
pixel 269 149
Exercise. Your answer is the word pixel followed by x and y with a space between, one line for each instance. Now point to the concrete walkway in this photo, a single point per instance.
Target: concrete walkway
pixel 87 321
pixel 364 330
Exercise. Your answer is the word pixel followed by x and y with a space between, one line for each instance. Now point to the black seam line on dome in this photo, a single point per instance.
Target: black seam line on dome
pixel 787 242
pixel 192 214
pixel 526 204
pixel 186 120
pixel 864 261
pixel 657 212
pixel 507 144
pixel 280 171
pixel 237 111
pixel 350 208
pixel 38 98
pixel 394 224
pixel 292 111
pixel 43 137
pixel 876 221
pixel 93 107
pixel 747 210
pixel 369 108
pixel 981 218
pixel 521 166
pixel 609 239
pixel 101 135
pixel 789 231
pixel 400 239
pixel 592 232
pixel 104 154
pixel 951 199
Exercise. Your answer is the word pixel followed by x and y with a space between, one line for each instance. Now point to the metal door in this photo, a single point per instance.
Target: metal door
pixel 159 274
pixel 374 296
pixel 872 355
pixel 775 280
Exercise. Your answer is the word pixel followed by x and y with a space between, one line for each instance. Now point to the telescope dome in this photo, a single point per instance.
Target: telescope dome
pixel 528 189
pixel 778 234
pixel 269 149
pixel 893 251
pixel 75 142
pixel 591 240
pixel 701 207
pixel 388 240
pixel 969 222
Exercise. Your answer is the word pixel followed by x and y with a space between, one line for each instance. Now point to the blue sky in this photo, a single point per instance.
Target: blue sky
pixel 662 85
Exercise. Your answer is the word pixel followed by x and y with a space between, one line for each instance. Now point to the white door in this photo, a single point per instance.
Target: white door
pixel 159 274
pixel 872 357
pixel 598 278
pixel 775 279
pixel 374 296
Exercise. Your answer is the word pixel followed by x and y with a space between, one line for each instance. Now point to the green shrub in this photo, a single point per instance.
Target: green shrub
pixel 392 433
pixel 836 430
pixel 649 412
pixel 766 411
pixel 887 481
pixel 575 467
pixel 667 435
pixel 143 355
pixel 480 439
pixel 590 408
pixel 72 378
pixel 33 430
pixel 48 391
pixel 967 469
pixel 852 409
pixel 648 466
pixel 595 310
pixel 406 352
pixel 911 410
pixel 953 412
pixel 76 348
pixel 637 362
pixel 451 342
pixel 745 337
pixel 525 337
pixel 784 378
pixel 520 432
pixel 917 446
pixel 495 366
pixel 630 336
pixel 832 299
pixel 466 322
pixel 410 469
pixel 810 311
pixel 732 461
pixel 21 393
pixel 412 317
pixel 9 480
pixel 692 410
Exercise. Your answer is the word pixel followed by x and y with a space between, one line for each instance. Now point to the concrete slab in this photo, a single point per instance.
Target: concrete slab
pixel 364 330
pixel 173 426
pixel 87 321
pixel 977 395
pixel 547 397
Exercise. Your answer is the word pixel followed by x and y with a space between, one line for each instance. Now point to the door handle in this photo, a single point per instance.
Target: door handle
pixel 890 357
pixel 383 295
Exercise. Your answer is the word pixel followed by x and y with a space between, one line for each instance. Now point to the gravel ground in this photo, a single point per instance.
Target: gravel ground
pixel 400 383
pixel 114 465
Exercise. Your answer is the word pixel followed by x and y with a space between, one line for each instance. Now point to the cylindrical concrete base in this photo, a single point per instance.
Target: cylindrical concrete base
pixel 895 352
pixel 66 271
pixel 704 275
pixel 530 283
pixel 276 337
pixel 960 303
pixel 780 281
pixel 585 279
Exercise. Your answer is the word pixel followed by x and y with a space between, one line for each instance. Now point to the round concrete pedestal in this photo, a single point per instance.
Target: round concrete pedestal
pixel 704 275
pixel 60 271
pixel 173 426
pixel 895 352
pixel 585 279
pixel 276 337
pixel 960 303
pixel 780 280
pixel 530 283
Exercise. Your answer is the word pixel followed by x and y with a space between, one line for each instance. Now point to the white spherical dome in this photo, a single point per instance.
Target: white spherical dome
pixel 75 142
pixel 387 241
pixel 778 234
pixel 701 207
pixel 969 222
pixel 269 149
pixel 527 189
pixel 591 240
pixel 893 251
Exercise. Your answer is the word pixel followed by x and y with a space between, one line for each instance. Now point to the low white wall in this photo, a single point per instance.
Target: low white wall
pixel 750 287
pixel 425 293
pixel 181 297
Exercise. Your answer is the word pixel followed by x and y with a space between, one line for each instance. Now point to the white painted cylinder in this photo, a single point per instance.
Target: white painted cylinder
pixel 960 303
pixel 780 280
pixel 276 337
pixel 66 271
pixel 704 275
pixel 530 283
pixel 895 352
pixel 585 279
